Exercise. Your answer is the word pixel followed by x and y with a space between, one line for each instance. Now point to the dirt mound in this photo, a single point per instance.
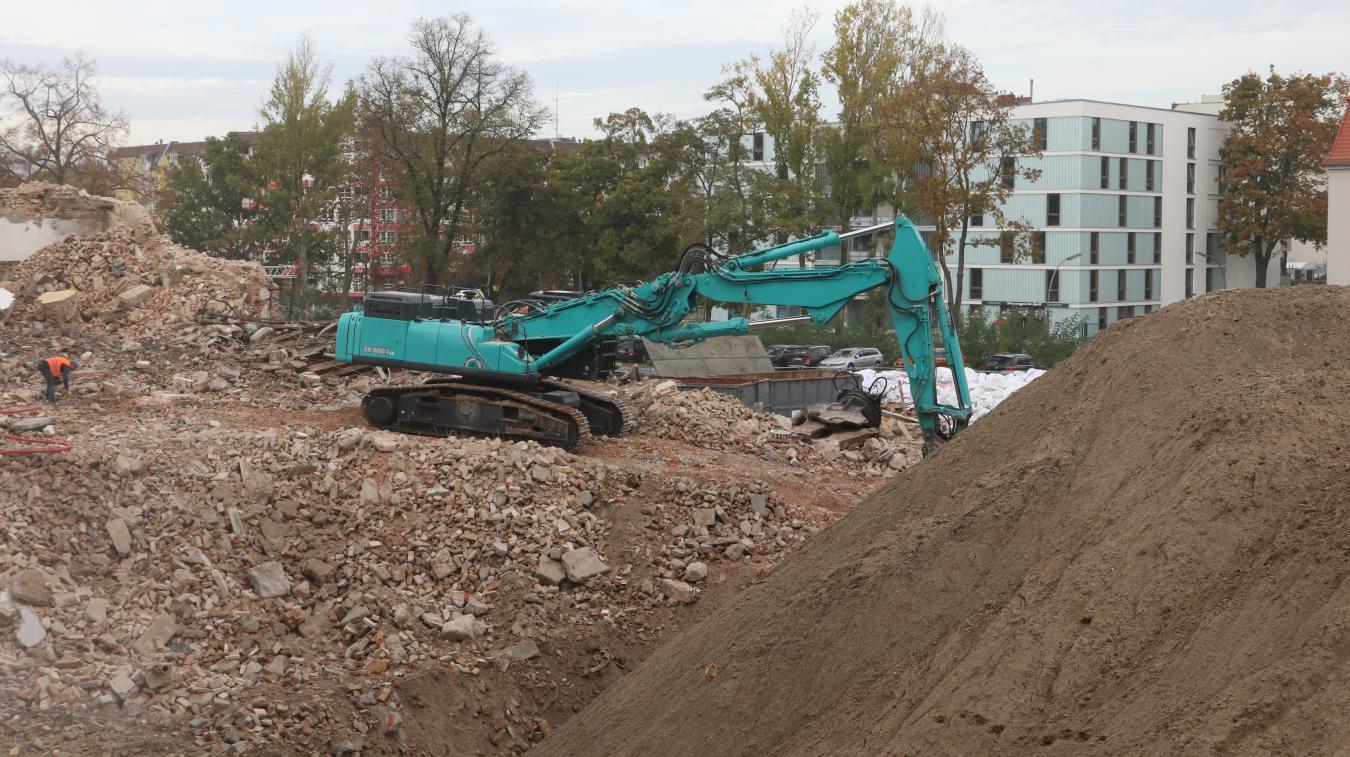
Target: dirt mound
pixel 1145 551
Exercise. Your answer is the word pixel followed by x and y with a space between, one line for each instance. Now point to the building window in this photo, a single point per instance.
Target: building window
pixel 1149 139
pixel 1190 178
pixel 1219 178
pixel 1092 286
pixel 1129 248
pixel 1052 286
pixel 1093 248
pixel 976 283
pixel 387 237
pixel 1038 248
pixel 1190 212
pixel 1122 216
pixel 1157 249
pixel 1101 317
pixel 1009 172
pixel 386 193
pixel 1097 135
pixel 1190 143
pixel 977 219
pixel 977 134
pixel 757 146
pixel 389 215
pixel 1157 212
pixel 1190 249
pixel 1148 285
pixel 1122 181
pixel 1134 136
pixel 1190 283
pixel 1148 175
pixel 1120 285
pixel 1052 209
pixel 1039 133
pixel 1212 247
pixel 1209 279
pixel 1106 172
pixel 1007 247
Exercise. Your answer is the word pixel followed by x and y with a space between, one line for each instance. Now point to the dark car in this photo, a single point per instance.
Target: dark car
pixel 631 349
pixel 806 357
pixel 1007 362
pixel 776 353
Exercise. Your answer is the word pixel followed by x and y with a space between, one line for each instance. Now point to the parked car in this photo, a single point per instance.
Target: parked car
pixel 806 357
pixel 1007 362
pixel 776 353
pixel 631 349
pixel 852 357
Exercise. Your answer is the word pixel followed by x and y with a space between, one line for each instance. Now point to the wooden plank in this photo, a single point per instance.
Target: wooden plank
pixel 324 366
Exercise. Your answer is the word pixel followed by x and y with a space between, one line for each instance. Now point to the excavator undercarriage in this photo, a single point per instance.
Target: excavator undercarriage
pixel 553 412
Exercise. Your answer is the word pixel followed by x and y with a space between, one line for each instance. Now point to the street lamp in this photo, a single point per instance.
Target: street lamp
pixel 1054 276
pixel 1223 271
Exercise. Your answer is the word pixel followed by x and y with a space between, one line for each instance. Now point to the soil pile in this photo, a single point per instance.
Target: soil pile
pixel 1144 551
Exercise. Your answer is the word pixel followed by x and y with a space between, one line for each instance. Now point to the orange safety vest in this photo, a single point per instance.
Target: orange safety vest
pixel 57 365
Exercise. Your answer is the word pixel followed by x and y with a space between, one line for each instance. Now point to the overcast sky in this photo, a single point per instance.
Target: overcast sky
pixel 183 71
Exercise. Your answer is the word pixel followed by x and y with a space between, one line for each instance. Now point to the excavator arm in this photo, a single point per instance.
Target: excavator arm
pixel 657 309
pixel 504 363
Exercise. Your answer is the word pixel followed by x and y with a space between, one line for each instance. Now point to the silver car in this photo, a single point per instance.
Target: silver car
pixel 852 357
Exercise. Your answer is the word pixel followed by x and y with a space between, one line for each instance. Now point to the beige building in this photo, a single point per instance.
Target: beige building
pixel 1338 205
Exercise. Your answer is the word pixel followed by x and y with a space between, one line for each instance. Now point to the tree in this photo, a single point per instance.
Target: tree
pixel 786 100
pixel 439 113
pixel 877 48
pixel 1274 186
pixel 734 211
pixel 208 205
pixel 58 129
pixel 950 136
pixel 300 157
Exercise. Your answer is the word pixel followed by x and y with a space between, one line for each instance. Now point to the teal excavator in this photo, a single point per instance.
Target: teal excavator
pixel 501 368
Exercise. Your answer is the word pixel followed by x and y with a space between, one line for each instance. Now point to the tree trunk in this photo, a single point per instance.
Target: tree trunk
pixel 960 267
pixel 1262 261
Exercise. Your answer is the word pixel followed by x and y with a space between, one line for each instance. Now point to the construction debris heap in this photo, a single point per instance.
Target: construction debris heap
pixel 123 273
pixel 1144 551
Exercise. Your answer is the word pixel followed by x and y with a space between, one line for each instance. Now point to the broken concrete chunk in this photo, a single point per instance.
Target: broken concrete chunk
pixel 30 587
pixel 549 572
pixel 31 632
pixel 269 580
pixel 120 536
pixel 460 628
pixel 525 650
pixel 126 465
pixel 135 296
pixel 678 590
pixel 697 571
pixel 582 564
pixel 161 630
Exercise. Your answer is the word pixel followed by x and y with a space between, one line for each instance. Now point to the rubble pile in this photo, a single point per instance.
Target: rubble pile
pixel 712 420
pixel 186 566
pixel 131 274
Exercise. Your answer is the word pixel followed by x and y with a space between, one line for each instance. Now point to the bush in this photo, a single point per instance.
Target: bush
pixel 1046 342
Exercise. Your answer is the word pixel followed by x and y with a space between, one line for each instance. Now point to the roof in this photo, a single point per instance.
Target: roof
pixel 1339 157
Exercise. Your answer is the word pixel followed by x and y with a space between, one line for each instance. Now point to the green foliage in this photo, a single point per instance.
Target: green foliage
pixel 1274 186
pixel 300 157
pixel 210 215
pixel 1046 342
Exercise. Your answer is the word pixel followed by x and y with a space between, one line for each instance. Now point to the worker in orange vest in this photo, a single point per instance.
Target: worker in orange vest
pixel 55 369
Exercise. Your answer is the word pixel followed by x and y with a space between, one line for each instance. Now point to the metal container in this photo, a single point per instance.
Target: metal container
pixel 779 391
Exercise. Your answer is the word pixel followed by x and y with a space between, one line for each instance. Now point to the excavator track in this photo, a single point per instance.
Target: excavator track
pixel 609 416
pixel 450 407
